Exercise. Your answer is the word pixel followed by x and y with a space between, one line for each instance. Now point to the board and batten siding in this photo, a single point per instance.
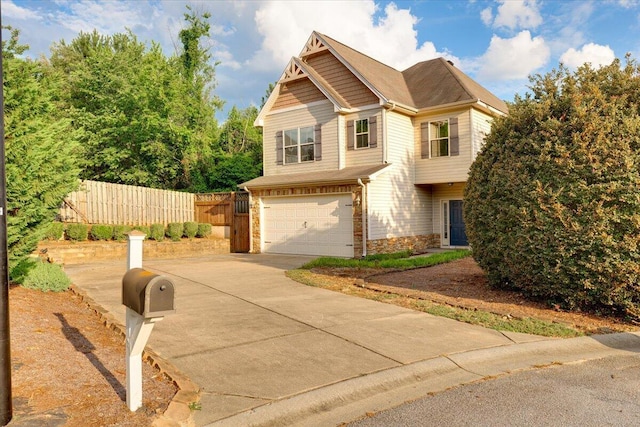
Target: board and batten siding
pixel 480 128
pixel 398 208
pixel 444 192
pixel 444 169
pixel 364 156
pixel 350 88
pixel 316 113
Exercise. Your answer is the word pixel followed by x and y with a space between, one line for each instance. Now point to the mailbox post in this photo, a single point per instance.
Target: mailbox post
pixel 148 298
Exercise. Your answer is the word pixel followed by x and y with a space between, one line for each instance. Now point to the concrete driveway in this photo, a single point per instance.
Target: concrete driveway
pixel 266 350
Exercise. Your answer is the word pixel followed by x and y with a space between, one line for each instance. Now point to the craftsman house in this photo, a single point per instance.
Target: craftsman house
pixel 360 158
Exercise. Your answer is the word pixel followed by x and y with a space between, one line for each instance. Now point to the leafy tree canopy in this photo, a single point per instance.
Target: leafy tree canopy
pixel 41 149
pixel 552 206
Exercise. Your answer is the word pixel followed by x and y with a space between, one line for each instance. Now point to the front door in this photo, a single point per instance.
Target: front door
pixel 458 236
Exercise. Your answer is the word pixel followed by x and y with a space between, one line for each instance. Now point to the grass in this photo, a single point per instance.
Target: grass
pixel 398 260
pixel 393 261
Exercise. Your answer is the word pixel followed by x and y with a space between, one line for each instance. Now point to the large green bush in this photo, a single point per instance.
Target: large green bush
pixel 55 231
pixel 552 204
pixel 120 232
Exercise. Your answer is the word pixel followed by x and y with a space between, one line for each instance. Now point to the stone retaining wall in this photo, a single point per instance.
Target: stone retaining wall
pixel 417 244
pixel 66 252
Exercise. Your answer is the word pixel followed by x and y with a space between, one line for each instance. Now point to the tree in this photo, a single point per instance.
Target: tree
pixel 552 207
pixel 149 119
pixel 41 149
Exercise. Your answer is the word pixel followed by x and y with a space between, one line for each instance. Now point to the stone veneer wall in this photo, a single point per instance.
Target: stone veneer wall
pixel 356 195
pixel 417 244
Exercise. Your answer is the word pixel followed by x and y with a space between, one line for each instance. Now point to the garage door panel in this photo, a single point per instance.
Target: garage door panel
pixel 309 225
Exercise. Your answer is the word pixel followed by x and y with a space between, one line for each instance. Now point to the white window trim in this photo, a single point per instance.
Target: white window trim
pixel 431 156
pixel 298 146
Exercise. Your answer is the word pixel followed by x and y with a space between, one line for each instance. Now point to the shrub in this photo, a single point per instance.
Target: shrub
pixel 175 230
pixel 204 230
pixel 77 231
pixel 551 204
pixel 190 229
pixel 120 232
pixel 43 276
pixel 54 231
pixel 101 232
pixel 156 232
pixel 144 229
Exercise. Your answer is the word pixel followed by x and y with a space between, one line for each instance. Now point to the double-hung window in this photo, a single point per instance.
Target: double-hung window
pixel 362 133
pixel 439 138
pixel 299 145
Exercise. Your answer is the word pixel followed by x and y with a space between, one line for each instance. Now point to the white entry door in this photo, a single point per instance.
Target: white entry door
pixel 308 225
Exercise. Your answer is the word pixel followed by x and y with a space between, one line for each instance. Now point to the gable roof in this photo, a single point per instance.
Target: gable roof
pixel 425 85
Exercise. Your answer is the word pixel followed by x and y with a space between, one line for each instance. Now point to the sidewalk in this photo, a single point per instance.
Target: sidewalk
pixel 266 350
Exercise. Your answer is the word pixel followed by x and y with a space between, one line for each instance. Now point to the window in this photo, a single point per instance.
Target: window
pixel 362 133
pixel 439 138
pixel 299 145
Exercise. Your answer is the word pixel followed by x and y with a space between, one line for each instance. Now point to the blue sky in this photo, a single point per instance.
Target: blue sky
pixel 498 43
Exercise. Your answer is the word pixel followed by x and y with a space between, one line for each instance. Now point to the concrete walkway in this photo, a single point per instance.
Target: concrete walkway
pixel 266 350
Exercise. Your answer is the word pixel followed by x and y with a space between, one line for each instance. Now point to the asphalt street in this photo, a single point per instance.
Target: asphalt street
pixel 602 392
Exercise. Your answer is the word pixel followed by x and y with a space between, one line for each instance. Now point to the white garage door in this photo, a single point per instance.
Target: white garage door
pixel 308 225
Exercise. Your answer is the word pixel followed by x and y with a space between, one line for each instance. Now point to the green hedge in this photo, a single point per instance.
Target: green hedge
pixel 55 231
pixel 101 232
pixel 78 232
pixel 157 232
pixel 190 229
pixel 175 230
pixel 120 232
pixel 43 276
pixel 204 230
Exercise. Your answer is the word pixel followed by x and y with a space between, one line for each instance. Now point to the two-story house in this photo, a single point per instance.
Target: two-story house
pixel 360 158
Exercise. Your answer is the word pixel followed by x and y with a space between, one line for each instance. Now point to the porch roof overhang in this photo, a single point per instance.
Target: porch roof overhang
pixel 331 177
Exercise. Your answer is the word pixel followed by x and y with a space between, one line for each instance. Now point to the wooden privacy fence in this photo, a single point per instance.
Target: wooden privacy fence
pixel 105 203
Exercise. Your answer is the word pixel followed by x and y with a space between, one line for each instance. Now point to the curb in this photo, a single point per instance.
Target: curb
pixel 352 399
pixel 178 413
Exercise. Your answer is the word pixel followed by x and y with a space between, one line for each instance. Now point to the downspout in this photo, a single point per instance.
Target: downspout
pixel 365 225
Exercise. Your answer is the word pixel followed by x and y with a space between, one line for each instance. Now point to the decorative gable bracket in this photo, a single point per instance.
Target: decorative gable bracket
pixel 314 45
pixel 293 72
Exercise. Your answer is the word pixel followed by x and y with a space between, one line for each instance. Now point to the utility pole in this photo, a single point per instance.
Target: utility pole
pixel 6 409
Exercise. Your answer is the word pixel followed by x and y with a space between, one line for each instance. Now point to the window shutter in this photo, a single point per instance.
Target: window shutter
pixel 373 132
pixel 424 140
pixel 454 144
pixel 318 142
pixel 350 135
pixel 279 148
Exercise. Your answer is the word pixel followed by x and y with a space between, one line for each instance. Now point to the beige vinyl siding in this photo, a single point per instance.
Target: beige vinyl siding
pixel 481 126
pixel 398 208
pixel 444 192
pixel 342 80
pixel 301 117
pixel 295 93
pixel 364 156
pixel 444 169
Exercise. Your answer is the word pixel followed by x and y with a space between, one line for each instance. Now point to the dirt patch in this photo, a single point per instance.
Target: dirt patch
pixel 462 283
pixel 68 369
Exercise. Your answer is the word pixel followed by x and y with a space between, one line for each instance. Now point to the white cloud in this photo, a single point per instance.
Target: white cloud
pixel 514 58
pixel 486 16
pixel 391 39
pixel 595 54
pixel 13 11
pixel 515 14
pixel 87 15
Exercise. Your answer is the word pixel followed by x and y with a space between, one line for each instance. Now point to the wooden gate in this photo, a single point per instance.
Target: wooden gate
pixel 240 222
pixel 227 209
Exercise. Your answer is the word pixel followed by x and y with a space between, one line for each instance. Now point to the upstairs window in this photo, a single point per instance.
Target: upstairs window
pixel 362 133
pixel 299 145
pixel 439 138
